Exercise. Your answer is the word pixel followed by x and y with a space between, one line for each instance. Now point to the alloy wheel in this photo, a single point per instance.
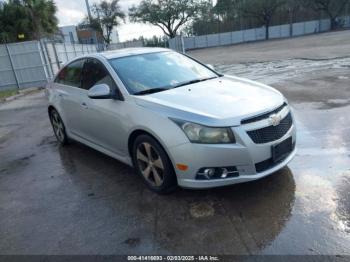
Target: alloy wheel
pixel 57 125
pixel 150 164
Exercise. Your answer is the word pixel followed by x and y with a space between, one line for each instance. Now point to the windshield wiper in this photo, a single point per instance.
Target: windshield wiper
pixel 160 89
pixel 194 81
pixel 150 91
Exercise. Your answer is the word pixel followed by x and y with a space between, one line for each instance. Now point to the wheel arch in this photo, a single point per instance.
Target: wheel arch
pixel 50 108
pixel 135 133
pixel 138 132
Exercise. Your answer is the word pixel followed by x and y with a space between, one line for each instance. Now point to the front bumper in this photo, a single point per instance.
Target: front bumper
pixel 244 155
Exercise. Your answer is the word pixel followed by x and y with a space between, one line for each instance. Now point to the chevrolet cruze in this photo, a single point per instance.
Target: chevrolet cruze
pixel 174 119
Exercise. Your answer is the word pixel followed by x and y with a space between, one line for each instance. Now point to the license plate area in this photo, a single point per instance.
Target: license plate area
pixel 280 151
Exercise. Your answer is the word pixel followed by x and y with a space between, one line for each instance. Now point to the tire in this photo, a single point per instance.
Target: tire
pixel 153 165
pixel 58 127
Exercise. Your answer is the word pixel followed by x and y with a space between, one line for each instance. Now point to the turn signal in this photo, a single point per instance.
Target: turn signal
pixel 182 167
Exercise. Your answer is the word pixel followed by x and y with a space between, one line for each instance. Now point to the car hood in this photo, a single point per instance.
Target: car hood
pixel 223 101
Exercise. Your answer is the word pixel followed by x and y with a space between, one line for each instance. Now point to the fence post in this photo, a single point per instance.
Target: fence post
pixel 65 51
pixel 48 63
pixel 183 44
pixel 75 52
pixel 319 25
pixel 256 36
pixel 12 67
pixel 56 56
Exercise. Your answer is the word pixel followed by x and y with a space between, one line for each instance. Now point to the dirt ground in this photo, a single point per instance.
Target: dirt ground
pixel 74 200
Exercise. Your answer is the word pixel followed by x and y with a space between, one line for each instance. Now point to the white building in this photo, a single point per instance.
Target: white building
pixel 115 36
pixel 69 33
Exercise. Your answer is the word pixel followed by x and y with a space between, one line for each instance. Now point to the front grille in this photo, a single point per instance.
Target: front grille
pixel 271 133
pixel 262 116
pixel 269 163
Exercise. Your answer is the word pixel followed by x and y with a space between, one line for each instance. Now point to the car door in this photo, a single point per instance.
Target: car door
pixel 68 84
pixel 103 118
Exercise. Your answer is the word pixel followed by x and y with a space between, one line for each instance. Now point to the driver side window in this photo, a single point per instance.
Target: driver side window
pixel 94 73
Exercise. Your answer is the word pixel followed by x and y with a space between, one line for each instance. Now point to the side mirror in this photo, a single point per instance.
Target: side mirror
pixel 101 91
pixel 210 66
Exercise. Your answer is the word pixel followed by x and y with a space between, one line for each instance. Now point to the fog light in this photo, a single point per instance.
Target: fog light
pixel 224 172
pixel 209 172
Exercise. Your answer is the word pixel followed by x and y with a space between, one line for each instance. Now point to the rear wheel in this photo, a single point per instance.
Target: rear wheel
pixel 153 165
pixel 58 127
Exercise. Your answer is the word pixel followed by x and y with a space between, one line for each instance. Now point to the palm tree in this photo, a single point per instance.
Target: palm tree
pixel 42 14
pixel 10 28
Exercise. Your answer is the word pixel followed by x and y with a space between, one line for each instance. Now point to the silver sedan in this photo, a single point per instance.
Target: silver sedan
pixel 177 121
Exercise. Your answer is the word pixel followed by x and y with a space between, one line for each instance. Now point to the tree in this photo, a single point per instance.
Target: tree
pixel 42 14
pixel 107 15
pixel 169 15
pixel 9 27
pixel 262 10
pixel 227 9
pixel 155 41
pixel 333 8
pixel 33 18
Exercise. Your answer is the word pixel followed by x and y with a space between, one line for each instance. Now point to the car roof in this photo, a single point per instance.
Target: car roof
pixel 131 51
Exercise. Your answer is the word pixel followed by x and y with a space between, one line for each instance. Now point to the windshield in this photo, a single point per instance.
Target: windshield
pixel 155 72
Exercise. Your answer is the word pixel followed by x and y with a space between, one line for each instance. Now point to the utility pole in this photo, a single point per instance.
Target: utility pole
pixel 90 20
pixel 88 10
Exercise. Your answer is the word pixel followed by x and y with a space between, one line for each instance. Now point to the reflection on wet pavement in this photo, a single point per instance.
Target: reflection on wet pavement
pixel 74 200
pixel 272 72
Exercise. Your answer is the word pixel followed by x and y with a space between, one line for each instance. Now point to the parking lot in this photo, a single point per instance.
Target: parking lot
pixel 75 200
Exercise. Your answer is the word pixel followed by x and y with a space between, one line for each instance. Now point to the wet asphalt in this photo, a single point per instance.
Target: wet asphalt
pixel 75 200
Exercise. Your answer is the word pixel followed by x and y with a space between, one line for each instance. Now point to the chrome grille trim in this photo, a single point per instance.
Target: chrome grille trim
pixel 265 122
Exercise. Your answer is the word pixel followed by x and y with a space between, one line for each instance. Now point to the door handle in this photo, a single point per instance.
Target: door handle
pixel 84 105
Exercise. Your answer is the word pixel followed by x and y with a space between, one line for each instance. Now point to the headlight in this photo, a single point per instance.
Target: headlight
pixel 206 135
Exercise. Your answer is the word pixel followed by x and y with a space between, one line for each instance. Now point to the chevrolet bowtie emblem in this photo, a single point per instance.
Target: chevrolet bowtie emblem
pixel 275 119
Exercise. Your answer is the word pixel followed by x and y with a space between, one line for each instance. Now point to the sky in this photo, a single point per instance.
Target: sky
pixel 71 12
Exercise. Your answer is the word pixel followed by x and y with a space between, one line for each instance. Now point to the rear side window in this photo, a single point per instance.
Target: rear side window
pixel 95 73
pixel 71 74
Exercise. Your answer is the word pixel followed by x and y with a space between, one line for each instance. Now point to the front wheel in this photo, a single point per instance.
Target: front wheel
pixel 58 127
pixel 153 165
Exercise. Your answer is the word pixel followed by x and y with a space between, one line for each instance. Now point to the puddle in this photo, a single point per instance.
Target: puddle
pixel 48 140
pixel 276 71
pixel 202 209
pixel 343 207
pixel 335 103
pixel 132 242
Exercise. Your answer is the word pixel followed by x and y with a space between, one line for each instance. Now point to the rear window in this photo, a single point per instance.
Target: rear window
pixel 71 74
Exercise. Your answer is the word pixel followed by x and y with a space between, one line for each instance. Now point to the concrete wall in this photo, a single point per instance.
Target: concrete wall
pixel 255 34
pixel 127 44
pixel 33 63
pixel 66 31
pixel 22 65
